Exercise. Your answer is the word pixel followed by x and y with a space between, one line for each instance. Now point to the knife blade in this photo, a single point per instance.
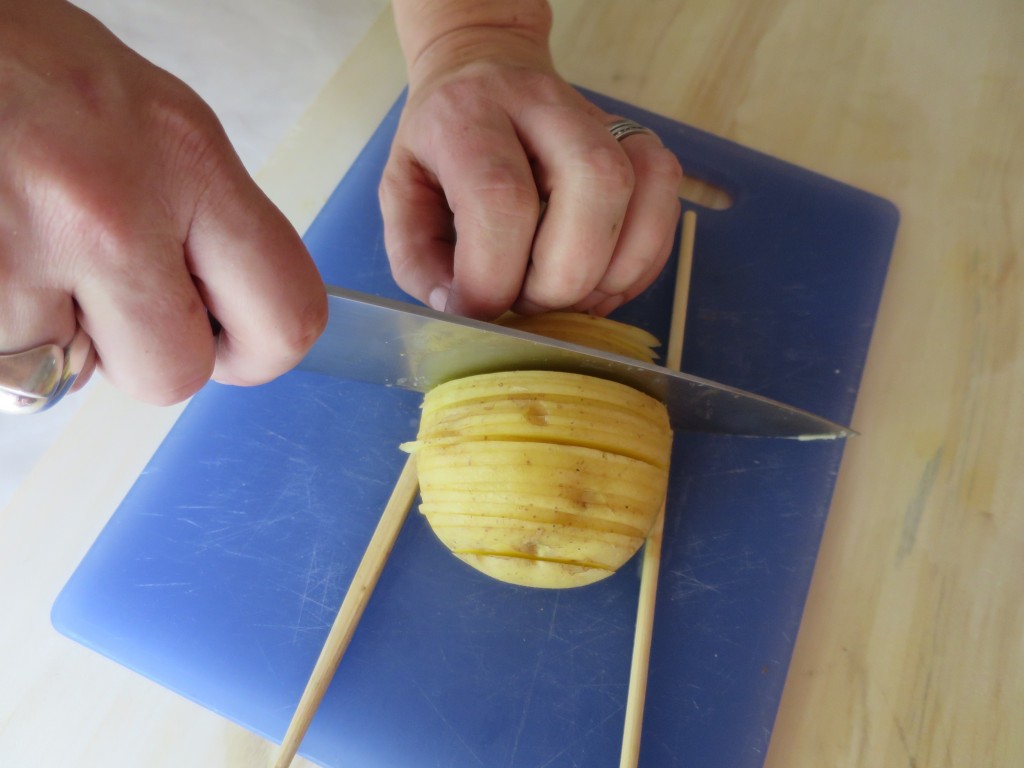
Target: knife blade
pixel 398 344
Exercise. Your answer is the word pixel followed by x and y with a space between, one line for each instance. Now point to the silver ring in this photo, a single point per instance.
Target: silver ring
pixel 36 379
pixel 620 129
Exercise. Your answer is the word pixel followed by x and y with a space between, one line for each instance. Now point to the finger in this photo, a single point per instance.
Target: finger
pixel 147 321
pixel 601 302
pixel 495 205
pixel 606 304
pixel 588 180
pixel 418 233
pixel 651 218
pixel 256 277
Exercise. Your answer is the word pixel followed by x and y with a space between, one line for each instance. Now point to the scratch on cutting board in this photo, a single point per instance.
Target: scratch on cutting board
pixel 526 704
pixel 447 724
pixel 685 585
pixel 915 509
pixel 551 621
pixel 161 584
pixel 317 580
pixel 289 443
pixel 604 723
pixel 271 667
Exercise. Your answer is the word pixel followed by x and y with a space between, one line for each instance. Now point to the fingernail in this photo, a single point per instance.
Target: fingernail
pixel 438 298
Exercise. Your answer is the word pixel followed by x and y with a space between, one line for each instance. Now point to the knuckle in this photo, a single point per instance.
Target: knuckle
pixel 541 87
pixel 99 232
pixel 500 189
pixel 455 97
pixel 392 185
pixel 497 210
pixel 312 320
pixel 75 212
pixel 185 116
pixel 607 171
pixel 545 85
pixel 609 167
pixel 562 286
pixel 398 173
pixel 294 334
pixel 191 138
pixel 663 167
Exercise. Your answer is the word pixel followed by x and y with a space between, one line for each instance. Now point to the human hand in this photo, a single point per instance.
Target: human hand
pixel 125 211
pixel 488 133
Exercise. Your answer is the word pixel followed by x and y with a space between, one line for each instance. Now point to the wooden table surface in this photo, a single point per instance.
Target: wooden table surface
pixel 911 652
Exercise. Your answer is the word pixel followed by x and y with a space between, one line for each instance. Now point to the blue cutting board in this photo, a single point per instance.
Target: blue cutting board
pixel 221 572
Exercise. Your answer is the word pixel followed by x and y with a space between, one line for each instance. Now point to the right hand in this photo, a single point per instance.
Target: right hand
pixel 125 210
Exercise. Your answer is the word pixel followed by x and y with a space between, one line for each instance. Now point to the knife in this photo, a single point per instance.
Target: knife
pixel 398 344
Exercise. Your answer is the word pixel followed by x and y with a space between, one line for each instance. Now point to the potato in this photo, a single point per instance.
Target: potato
pixel 543 478
pixel 588 330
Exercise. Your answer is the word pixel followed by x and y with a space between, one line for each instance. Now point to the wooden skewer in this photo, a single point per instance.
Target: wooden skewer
pixel 640 664
pixel 356 598
pixel 681 297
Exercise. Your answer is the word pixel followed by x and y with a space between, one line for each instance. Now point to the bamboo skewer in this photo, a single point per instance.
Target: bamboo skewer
pixel 356 598
pixel 681 297
pixel 640 663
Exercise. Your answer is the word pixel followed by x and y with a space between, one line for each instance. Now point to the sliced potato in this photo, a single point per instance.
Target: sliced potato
pixel 590 331
pixel 508 506
pixel 587 423
pixel 578 475
pixel 525 538
pixel 544 478
pixel 547 384
pixel 531 572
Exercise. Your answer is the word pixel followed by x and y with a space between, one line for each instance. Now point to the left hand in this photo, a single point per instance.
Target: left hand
pixel 504 188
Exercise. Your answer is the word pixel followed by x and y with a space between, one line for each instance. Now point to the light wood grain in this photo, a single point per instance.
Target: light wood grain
pixel 911 652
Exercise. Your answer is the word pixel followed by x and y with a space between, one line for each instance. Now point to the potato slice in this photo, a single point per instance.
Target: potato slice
pixel 554 385
pixel 531 572
pixel 527 538
pixel 590 424
pixel 509 506
pixel 579 477
pixel 590 331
